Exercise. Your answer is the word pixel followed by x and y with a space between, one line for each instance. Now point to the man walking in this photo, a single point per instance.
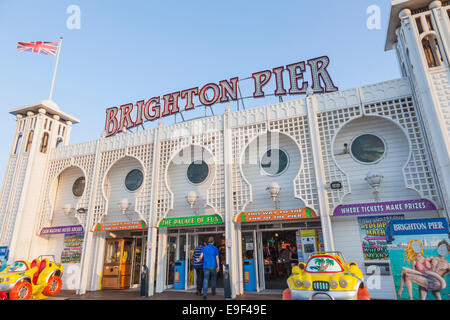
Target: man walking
pixel 210 256
pixel 198 266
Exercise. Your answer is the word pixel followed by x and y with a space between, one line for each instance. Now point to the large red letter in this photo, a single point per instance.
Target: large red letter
pixel 296 73
pixel 261 79
pixel 320 72
pixel 279 91
pixel 125 116
pixel 171 104
pixel 156 109
pixel 189 94
pixel 111 119
pixel 139 119
pixel 227 90
pixel 204 99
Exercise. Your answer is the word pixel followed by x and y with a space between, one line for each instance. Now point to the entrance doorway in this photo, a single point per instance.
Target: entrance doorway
pixel 219 242
pixel 180 250
pixel 124 257
pixel 279 255
pixel 140 244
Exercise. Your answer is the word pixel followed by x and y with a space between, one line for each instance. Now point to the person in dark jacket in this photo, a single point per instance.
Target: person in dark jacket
pixel 198 266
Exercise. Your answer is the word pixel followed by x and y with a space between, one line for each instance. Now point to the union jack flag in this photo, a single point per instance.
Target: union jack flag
pixel 44 47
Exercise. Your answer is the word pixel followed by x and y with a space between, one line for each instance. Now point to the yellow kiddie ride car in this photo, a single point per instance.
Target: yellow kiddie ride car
pixel 36 280
pixel 327 276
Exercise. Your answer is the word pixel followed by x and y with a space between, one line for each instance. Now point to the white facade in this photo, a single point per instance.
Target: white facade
pixel 410 115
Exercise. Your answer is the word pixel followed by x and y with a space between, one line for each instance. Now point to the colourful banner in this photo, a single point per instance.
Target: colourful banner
pixel 373 237
pixel 190 221
pixel 418 252
pixel 4 251
pixel 73 247
pixel 274 215
pixel 121 226
pixel 62 230
pixel 384 207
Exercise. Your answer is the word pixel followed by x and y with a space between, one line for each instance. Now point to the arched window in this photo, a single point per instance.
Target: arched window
pixel 19 139
pixel 29 141
pixel 432 51
pixel 44 142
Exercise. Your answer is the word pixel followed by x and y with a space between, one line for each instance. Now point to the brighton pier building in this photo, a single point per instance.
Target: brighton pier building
pixel 303 173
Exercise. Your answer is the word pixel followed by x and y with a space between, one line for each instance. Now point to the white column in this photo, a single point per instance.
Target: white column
pixel 162 260
pixel 86 265
pixel 311 103
pixel 153 215
pixel 232 230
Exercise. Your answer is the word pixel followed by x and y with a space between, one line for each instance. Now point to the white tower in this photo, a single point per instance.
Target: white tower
pixel 419 30
pixel 40 127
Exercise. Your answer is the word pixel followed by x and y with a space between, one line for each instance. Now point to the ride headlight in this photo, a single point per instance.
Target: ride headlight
pixel 307 284
pixel 343 283
pixel 333 284
pixel 298 282
pixel 1 280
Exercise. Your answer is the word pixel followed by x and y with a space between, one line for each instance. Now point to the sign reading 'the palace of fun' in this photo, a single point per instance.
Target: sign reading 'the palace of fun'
pixel 118 119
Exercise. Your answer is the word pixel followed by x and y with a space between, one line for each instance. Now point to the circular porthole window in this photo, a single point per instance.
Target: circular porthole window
pixel 134 179
pixel 78 187
pixel 368 148
pixel 274 162
pixel 197 172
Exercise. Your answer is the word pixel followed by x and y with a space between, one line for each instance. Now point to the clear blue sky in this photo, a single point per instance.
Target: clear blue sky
pixel 126 51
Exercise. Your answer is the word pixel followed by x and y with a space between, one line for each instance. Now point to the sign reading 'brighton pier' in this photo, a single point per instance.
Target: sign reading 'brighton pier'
pixel 131 115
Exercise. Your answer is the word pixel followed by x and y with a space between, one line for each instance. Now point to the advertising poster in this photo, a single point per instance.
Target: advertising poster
pixel 73 245
pixel 3 257
pixel 418 251
pixel 298 239
pixel 373 237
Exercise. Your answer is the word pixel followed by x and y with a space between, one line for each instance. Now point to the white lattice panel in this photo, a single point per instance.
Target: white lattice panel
pixel 18 180
pixel 305 182
pixel 54 169
pixel 417 172
pixel 205 133
pixel 329 122
pixel 6 189
pixel 441 83
pixel 144 153
pixel 240 138
pixel 107 159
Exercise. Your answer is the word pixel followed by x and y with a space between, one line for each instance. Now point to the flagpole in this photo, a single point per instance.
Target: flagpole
pixel 56 67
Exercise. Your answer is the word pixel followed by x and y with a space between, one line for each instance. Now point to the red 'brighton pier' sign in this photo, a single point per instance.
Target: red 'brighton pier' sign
pixel 154 108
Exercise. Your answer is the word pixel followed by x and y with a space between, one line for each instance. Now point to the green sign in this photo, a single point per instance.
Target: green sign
pixel 190 221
